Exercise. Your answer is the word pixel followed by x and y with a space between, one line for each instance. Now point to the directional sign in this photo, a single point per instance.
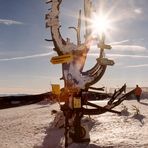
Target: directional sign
pixel 104 46
pixel 56 89
pixel 105 61
pixel 77 102
pixel 62 59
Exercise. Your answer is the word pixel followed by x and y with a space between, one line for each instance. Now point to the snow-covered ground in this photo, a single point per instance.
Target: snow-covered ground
pixel 30 127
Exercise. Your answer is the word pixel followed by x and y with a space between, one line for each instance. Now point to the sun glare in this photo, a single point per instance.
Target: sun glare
pixel 100 24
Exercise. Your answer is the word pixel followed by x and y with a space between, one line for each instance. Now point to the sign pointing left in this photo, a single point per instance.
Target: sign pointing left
pixel 62 59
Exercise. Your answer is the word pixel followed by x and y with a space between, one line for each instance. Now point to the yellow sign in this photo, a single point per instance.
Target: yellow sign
pixel 62 59
pixel 56 89
pixel 77 103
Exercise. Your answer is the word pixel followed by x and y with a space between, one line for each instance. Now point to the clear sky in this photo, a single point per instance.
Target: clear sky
pixel 25 57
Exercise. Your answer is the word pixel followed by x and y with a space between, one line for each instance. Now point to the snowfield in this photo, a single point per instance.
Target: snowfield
pixel 30 127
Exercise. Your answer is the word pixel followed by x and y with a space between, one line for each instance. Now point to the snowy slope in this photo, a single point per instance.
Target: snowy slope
pixel 30 127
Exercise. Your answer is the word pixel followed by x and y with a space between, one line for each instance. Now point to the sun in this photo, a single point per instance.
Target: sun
pixel 100 24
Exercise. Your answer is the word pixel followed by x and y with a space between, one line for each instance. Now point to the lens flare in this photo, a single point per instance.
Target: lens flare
pixel 100 24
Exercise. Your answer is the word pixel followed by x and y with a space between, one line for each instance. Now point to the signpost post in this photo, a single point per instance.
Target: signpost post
pixel 76 81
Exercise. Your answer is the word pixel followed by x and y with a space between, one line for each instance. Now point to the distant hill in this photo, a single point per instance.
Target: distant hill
pixel 6 95
pixel 7 101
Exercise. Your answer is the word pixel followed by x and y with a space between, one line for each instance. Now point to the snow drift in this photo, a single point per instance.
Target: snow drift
pixel 32 127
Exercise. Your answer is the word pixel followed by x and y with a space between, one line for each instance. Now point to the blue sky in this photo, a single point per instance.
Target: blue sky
pixel 25 57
